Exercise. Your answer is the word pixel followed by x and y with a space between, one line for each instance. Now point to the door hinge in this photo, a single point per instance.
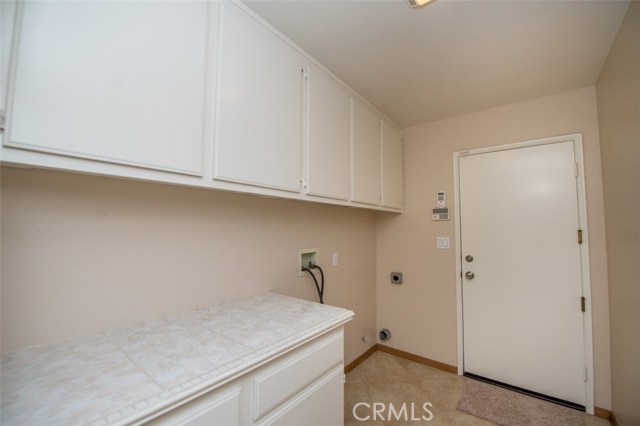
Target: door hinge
pixel 2 121
pixel 583 304
pixel 579 236
pixel 575 165
pixel 305 73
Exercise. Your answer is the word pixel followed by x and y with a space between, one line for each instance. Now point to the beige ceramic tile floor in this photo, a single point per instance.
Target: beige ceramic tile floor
pixel 386 379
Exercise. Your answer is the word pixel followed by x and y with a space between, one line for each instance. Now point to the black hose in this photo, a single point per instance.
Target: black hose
pixel 322 286
pixel 319 289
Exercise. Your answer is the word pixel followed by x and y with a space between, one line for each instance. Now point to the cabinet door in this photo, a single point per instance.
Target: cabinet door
pixel 115 81
pixel 328 137
pixel 321 404
pixel 259 115
pixel 275 384
pixel 365 158
pixel 7 11
pixel 391 166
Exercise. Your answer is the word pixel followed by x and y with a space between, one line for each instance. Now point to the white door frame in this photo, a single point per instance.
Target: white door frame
pixel 576 138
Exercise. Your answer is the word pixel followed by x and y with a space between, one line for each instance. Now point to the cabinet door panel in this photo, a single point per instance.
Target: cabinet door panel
pixel 365 155
pixel 328 149
pixel 114 81
pixel 259 130
pixel 279 382
pixel 391 166
pixel 322 404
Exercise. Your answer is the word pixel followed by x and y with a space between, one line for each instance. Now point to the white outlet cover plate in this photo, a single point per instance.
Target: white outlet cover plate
pixel 442 243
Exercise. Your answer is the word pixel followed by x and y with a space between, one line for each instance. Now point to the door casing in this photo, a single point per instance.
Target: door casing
pixel 576 138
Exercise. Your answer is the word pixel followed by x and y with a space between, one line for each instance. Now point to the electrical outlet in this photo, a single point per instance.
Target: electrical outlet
pixel 306 256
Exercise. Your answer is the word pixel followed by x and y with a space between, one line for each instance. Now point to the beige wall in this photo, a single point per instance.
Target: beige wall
pixel 421 313
pixel 618 91
pixel 82 254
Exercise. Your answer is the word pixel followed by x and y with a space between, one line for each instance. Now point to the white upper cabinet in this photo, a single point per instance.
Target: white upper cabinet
pixel 259 105
pixel 328 158
pixel 188 92
pixel 391 166
pixel 7 11
pixel 119 82
pixel 365 154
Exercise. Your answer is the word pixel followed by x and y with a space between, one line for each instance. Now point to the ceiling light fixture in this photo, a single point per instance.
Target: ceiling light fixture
pixel 418 3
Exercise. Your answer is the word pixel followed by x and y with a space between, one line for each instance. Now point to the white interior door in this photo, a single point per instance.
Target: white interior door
pixel 522 316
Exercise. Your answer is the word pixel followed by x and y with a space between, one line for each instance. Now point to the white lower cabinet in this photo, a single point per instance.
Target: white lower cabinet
pixel 310 408
pixel 304 387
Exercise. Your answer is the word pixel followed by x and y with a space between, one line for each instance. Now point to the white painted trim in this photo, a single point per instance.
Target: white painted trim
pixel 586 273
pixel 576 138
pixel 458 242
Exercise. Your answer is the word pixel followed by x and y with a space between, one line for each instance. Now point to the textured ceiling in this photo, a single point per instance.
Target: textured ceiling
pixel 451 57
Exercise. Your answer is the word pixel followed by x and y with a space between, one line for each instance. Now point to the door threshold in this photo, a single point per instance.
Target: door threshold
pixel 526 392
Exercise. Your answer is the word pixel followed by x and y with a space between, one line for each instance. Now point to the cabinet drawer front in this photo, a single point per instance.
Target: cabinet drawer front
pixel 219 407
pixel 282 380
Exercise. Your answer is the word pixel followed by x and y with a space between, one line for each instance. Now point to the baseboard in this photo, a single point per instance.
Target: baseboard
pixel 417 358
pixel 356 362
pixel 613 420
pixel 604 414
pixel 402 354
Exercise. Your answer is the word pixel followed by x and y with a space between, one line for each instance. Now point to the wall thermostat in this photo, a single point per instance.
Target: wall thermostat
pixel 441 199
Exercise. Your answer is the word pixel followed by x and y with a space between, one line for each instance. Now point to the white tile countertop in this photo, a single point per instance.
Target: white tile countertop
pixel 125 375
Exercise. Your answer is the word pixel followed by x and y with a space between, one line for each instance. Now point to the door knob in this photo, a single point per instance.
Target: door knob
pixel 469 275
